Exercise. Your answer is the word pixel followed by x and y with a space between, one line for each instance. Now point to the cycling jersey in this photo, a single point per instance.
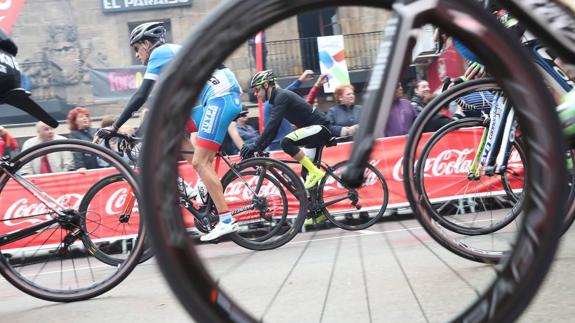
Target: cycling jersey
pixel 160 57
pixel 221 83
pixel 288 105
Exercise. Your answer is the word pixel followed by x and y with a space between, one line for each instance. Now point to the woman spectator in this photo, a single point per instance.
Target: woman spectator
pixel 80 126
pixel 402 115
pixel 421 96
pixel 344 117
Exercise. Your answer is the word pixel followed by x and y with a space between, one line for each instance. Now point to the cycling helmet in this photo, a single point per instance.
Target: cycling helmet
pixel 154 31
pixel 263 77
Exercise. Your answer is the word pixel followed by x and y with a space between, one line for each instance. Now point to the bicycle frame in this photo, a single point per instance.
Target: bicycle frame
pixel 40 195
pixel 547 19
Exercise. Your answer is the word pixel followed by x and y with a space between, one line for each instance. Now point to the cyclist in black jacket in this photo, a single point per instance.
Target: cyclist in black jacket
pixel 312 126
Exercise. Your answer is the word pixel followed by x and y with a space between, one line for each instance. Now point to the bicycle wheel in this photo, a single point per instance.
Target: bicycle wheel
pixel 123 224
pixel 58 263
pixel 353 208
pixel 466 205
pixel 511 286
pixel 265 219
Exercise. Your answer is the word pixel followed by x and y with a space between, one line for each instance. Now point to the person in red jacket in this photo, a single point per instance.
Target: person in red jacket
pixel 8 144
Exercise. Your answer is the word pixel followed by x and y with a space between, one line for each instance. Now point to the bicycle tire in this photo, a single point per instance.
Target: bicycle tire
pixel 220 34
pixel 435 208
pixel 33 264
pixel 281 230
pixel 334 183
pixel 99 252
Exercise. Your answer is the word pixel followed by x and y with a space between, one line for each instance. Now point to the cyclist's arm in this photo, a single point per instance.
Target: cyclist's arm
pixel 136 102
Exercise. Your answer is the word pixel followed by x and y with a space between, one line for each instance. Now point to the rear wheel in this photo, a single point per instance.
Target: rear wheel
pixel 271 217
pixel 353 208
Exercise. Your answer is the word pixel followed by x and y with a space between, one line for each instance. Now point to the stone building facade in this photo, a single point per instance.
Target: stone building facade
pixel 60 41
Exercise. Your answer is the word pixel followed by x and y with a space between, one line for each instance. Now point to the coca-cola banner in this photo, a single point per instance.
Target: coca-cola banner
pixel 445 177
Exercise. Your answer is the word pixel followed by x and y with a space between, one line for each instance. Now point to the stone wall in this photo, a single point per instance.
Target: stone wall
pixel 76 36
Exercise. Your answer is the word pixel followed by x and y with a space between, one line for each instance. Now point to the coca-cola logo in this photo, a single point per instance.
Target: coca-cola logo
pixel 447 162
pixel 23 211
pixel 239 191
pixel 117 202
pixel 450 162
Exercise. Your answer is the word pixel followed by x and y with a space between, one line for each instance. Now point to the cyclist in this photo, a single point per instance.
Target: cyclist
pixel 312 126
pixel 219 105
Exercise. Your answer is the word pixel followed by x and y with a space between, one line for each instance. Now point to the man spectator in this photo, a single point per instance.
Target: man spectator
pixel 8 145
pixel 248 133
pixel 52 163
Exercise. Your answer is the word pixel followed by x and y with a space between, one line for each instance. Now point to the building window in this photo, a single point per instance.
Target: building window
pixel 132 25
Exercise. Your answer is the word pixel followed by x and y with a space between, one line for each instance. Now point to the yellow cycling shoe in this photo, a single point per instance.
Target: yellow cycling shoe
pixel 313 178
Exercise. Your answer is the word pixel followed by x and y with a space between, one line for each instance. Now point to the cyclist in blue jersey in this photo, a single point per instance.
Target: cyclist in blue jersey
pixel 219 105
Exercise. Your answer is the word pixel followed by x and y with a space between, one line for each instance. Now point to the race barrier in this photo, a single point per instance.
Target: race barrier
pixel 445 171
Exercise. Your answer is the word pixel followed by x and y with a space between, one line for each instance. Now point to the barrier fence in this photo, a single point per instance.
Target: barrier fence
pixel 445 173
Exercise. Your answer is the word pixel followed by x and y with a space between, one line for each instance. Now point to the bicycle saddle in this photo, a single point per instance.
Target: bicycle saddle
pixel 20 99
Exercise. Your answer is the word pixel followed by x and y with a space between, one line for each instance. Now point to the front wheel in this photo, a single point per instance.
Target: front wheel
pixel 127 220
pixel 61 263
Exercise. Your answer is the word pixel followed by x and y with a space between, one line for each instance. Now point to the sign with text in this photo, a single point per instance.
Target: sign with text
pixel 132 5
pixel 332 61
pixel 116 82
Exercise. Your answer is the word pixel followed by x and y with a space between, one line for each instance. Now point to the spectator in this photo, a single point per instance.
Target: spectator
pixel 233 142
pixel 80 126
pixel 344 117
pixel 421 94
pixel 402 115
pixel 248 133
pixel 8 145
pixel 55 162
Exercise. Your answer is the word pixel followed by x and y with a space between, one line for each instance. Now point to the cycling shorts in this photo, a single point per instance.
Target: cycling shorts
pixel 213 119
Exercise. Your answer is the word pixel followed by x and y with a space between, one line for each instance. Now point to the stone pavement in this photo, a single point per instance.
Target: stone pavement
pixel 386 274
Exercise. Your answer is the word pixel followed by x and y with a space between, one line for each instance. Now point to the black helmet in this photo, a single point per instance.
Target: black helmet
pixel 263 77
pixel 154 31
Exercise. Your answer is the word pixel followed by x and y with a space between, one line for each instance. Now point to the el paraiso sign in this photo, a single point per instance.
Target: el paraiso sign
pixel 132 5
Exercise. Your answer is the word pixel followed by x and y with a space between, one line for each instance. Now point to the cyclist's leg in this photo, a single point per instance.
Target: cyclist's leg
pixel 216 118
pixel 312 136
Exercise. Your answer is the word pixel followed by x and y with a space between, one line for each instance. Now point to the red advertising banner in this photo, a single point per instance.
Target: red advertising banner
pixel 9 10
pixel 445 174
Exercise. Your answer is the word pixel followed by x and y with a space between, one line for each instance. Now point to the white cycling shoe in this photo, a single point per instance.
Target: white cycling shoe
pixel 221 229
